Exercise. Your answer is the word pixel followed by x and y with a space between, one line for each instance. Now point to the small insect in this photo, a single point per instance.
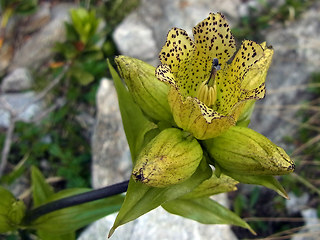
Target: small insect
pixel 215 64
pixel 215 67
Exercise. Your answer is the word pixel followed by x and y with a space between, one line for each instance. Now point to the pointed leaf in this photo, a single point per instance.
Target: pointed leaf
pixel 41 190
pixel 267 181
pixel 141 199
pixel 43 235
pixel 205 210
pixel 134 122
pixel 69 219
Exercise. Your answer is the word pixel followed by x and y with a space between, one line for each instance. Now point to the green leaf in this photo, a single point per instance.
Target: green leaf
pixel 17 171
pixel 206 211
pixel 141 199
pixel 91 56
pixel 41 190
pixel 71 33
pixel 26 6
pixel 69 219
pixel 83 77
pixel 68 50
pixel 84 22
pixel 43 235
pixel 267 181
pixel 134 122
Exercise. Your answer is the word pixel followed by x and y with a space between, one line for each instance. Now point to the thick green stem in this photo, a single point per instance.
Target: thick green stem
pixel 76 200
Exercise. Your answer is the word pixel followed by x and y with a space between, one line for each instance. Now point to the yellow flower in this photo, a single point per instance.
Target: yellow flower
pixel 207 93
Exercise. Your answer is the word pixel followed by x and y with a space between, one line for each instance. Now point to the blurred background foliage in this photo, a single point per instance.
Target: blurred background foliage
pixel 60 144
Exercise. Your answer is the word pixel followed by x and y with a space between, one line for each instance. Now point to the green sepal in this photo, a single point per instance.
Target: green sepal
pixel 212 186
pixel 41 190
pixel 245 116
pixel 268 181
pixel 141 198
pixel 69 219
pixel 206 211
pixel 135 124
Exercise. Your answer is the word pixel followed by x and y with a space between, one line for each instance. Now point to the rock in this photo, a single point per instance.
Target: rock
pixel 296 57
pixel 159 224
pixel 38 48
pixel 20 79
pixel 296 204
pixel 110 152
pixel 39 19
pixel 6 55
pixel 311 229
pixel 258 7
pixel 129 43
pixel 18 101
pixel 111 164
pixel 143 33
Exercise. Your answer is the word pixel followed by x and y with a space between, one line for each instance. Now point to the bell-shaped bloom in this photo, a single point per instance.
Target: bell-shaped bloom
pixel 207 92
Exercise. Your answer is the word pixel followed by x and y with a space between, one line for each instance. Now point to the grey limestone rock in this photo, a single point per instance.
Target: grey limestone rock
pixel 296 57
pixel 143 32
pixel 311 229
pixel 19 101
pixel 38 48
pixel 39 19
pixel 20 79
pixel 111 155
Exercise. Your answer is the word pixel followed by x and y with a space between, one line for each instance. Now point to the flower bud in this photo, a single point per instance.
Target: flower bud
pixel 147 91
pixel 11 211
pixel 244 151
pixel 169 158
pixel 17 212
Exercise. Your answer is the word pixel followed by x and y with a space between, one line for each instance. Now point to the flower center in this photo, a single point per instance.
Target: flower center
pixel 207 92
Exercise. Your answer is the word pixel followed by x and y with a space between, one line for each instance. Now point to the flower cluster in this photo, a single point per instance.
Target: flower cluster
pixel 200 99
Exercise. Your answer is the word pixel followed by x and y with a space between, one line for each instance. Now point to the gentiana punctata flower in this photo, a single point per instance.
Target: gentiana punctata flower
pixel 209 82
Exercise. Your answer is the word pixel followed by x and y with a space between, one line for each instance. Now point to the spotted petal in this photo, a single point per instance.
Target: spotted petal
pixel 191 62
pixel 190 114
pixel 244 78
pixel 191 68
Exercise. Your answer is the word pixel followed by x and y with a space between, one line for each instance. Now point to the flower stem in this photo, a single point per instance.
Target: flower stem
pixel 76 200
